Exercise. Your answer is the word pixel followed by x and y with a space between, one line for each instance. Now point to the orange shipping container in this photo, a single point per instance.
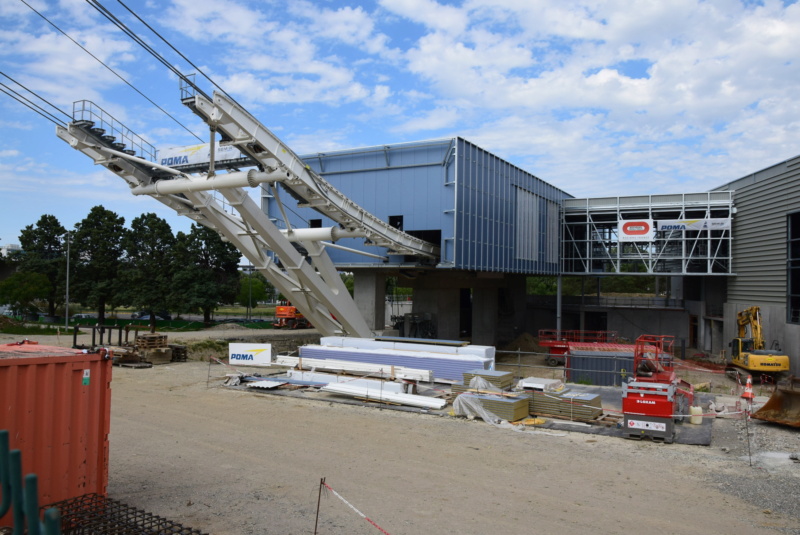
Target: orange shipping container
pixel 56 405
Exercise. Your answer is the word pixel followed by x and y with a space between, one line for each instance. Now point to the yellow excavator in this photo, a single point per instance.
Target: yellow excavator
pixel 748 353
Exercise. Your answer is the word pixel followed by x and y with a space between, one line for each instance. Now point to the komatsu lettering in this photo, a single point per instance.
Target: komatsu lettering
pixel 175 160
pixel 241 356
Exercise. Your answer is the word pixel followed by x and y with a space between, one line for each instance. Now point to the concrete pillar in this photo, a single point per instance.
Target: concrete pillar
pixel 484 316
pixel 369 292
pixel 444 306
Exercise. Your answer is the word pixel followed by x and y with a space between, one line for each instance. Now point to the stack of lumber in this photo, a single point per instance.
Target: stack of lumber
pixel 567 405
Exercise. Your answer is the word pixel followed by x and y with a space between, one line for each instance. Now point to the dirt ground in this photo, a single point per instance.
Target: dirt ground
pixel 228 461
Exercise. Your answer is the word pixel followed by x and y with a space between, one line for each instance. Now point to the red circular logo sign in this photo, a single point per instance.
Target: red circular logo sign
pixel 636 228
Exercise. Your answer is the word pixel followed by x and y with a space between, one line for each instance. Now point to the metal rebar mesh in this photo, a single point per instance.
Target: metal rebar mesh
pixel 92 514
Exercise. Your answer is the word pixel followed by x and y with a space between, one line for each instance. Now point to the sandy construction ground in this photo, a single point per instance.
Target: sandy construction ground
pixel 230 461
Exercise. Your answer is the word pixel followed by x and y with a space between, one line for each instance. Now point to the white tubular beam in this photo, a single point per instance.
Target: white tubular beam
pixel 253 138
pixel 241 179
pixel 319 234
pixel 318 293
pixel 139 160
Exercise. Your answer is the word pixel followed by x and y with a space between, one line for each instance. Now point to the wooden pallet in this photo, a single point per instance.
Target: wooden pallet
pixel 151 341
pixel 608 420
pixel 179 353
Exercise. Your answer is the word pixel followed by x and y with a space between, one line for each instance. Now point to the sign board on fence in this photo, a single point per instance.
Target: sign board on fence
pixel 250 354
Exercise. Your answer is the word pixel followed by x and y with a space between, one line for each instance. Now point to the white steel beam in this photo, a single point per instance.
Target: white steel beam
pixel 253 138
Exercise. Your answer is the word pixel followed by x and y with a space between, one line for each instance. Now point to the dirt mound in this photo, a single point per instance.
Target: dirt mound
pixel 525 342
pixel 5 321
pixel 228 327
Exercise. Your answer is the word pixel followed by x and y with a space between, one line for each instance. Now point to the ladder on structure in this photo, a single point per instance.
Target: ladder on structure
pixel 309 278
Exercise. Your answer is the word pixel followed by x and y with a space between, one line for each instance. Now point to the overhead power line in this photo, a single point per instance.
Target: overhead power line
pixel 198 69
pixel 16 95
pixel 112 70
pixel 138 40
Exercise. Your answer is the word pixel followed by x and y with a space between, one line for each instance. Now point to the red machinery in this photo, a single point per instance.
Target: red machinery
pixel 654 399
pixel 558 342
pixel 288 317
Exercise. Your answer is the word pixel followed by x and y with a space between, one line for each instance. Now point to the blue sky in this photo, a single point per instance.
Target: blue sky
pixel 616 97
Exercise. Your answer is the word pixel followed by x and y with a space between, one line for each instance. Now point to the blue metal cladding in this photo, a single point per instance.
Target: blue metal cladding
pixel 507 219
pixel 490 214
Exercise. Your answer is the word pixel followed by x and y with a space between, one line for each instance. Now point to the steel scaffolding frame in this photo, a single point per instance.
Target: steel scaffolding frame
pixel 591 242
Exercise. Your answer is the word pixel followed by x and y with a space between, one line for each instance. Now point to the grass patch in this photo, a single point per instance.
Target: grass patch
pixel 202 350
pixel 28 330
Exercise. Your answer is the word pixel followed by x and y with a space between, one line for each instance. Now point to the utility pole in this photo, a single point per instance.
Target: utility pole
pixel 66 302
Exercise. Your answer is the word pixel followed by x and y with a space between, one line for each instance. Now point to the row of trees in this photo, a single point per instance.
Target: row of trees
pixel 110 266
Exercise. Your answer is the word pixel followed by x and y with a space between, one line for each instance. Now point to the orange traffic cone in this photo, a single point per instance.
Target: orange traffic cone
pixel 748 389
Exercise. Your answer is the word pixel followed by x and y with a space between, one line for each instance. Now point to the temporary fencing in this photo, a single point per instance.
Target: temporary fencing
pixel 323 484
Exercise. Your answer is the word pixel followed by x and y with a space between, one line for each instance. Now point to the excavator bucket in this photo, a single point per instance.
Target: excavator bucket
pixel 783 407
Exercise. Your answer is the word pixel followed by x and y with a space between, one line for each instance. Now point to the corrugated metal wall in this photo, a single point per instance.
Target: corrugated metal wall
pixel 506 218
pixel 492 215
pixel 57 410
pixel 763 201
pixel 413 180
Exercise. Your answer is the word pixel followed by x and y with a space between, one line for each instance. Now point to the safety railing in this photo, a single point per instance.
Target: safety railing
pixel 22 501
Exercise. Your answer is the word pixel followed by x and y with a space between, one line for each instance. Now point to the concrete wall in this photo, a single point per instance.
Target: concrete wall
pixel 630 323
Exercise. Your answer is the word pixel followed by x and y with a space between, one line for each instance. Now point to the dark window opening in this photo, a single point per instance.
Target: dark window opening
pixel 315 223
pixel 793 268
pixel 396 221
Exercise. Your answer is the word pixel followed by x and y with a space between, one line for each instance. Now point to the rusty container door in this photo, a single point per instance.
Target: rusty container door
pixel 56 405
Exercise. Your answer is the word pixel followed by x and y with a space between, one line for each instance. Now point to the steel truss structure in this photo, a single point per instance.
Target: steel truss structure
pixel 292 259
pixel 591 240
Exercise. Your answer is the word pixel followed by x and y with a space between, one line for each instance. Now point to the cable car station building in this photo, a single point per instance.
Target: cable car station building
pixel 715 252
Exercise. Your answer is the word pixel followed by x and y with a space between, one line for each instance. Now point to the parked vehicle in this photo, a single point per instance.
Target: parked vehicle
pixel 84 316
pixel 145 315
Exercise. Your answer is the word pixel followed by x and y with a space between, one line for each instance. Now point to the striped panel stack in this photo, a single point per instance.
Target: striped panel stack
pixel 505 407
pixel 567 405
pixel 445 366
pixel 501 380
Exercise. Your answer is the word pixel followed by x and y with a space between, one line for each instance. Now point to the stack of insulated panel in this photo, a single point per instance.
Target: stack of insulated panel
pixel 448 366
pixel 567 405
pixel 505 407
pixel 501 380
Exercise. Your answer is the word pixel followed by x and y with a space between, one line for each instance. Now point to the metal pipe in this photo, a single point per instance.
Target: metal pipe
pixel 240 179
pixel 319 234
pixel 351 250
pixel 148 163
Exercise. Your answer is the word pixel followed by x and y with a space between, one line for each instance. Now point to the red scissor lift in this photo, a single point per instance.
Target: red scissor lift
pixel 654 399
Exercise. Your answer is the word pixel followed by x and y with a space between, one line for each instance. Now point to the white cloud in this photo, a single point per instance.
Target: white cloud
pixel 430 14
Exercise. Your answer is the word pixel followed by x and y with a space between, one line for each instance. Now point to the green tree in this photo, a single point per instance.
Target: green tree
pixel 95 257
pixel 43 246
pixel 206 271
pixel 149 265
pixel 251 289
pixel 22 288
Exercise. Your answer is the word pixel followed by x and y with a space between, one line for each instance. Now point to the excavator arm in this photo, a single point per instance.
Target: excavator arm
pixel 751 318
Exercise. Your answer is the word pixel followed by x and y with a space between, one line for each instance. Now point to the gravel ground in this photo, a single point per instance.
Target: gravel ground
pixel 232 462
